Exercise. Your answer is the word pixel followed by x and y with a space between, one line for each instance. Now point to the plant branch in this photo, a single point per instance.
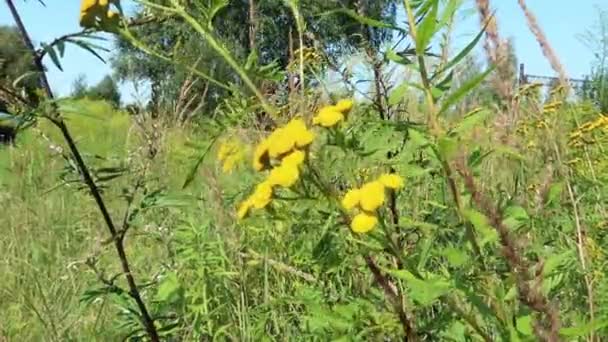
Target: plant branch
pixel 93 189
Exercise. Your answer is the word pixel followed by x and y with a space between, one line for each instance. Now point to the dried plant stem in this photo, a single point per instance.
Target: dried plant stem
pixel 542 40
pixel 116 235
pixel 496 51
pixel 547 325
pixel 397 300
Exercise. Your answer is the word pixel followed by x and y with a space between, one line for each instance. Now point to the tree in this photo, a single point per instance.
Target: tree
pixel 106 90
pixel 595 86
pixel 80 87
pixel 15 65
pixel 265 26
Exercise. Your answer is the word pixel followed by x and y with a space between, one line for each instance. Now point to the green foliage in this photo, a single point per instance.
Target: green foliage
pixel 17 71
pixel 489 238
pixel 105 90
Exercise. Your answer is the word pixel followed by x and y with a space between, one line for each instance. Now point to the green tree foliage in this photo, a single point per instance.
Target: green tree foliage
pixel 266 26
pixel 106 90
pixel 16 68
pixel 596 38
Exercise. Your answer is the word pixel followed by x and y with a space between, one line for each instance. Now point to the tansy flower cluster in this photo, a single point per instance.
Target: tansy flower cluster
pixel 97 12
pixel 330 116
pixel 577 138
pixel 229 154
pixel 367 199
pixel 283 152
pixel 552 107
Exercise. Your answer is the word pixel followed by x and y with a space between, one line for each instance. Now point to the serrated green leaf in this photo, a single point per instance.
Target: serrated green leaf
pixel 481 224
pixel 168 288
pixel 417 138
pixel 424 291
pixel 524 325
pixel 455 256
pixel 554 261
pixel 515 217
pixel 447 147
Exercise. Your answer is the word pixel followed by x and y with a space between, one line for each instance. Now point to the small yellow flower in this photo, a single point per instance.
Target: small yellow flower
pixel 372 196
pixel 262 195
pixel 351 199
pixel 280 143
pixel 391 180
pixel 295 158
pixel 328 117
pixel 296 129
pixel 285 175
pixel 363 222
pixel 344 106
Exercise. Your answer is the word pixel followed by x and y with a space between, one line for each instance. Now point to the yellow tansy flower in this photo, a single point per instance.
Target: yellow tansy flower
pixel 295 158
pixel 284 175
pixel 363 222
pixel 391 180
pixel 351 199
pixel 372 196
pixel 344 106
pixel 280 143
pixel 296 129
pixel 262 195
pixel 328 117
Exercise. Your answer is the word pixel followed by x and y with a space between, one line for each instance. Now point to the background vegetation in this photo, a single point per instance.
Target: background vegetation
pixel 499 233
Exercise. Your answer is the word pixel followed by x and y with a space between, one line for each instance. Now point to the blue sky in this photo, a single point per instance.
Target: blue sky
pixel 561 22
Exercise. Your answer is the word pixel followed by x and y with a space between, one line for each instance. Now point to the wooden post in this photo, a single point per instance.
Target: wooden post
pixel 522 74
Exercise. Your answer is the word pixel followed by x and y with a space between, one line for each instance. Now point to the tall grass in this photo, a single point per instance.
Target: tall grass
pixel 490 239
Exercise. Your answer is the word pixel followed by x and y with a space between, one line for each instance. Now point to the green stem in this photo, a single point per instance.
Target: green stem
pixel 222 51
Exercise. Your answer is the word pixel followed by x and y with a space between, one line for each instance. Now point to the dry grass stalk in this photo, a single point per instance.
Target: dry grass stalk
pixel 541 38
pixel 497 51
